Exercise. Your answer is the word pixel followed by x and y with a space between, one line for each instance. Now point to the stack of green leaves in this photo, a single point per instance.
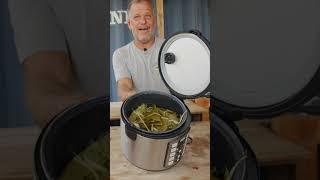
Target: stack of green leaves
pixel 90 164
pixel 228 175
pixel 155 119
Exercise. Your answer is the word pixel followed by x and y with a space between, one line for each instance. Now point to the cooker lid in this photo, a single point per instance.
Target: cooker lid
pixel 268 63
pixel 184 64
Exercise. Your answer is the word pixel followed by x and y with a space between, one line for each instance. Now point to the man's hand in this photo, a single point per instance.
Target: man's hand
pixel 51 85
pixel 125 88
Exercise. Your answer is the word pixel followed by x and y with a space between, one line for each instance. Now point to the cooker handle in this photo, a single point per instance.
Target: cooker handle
pixel 130 133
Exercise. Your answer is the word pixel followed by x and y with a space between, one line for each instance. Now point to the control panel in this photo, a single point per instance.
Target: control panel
pixel 175 150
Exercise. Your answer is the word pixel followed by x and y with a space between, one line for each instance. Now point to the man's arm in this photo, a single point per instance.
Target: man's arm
pixel 51 84
pixel 125 88
pixel 125 85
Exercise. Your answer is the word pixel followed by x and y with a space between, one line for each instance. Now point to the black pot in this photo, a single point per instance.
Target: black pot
pixel 228 147
pixel 161 100
pixel 69 132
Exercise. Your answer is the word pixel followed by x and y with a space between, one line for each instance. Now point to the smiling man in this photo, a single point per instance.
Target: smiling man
pixel 136 64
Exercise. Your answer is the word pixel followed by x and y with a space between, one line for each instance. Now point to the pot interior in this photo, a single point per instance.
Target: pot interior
pixel 227 149
pixel 159 99
pixel 70 133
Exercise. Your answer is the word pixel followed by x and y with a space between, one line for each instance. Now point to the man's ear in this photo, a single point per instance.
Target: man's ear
pixel 129 24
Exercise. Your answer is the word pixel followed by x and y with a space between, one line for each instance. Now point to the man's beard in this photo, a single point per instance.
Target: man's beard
pixel 147 38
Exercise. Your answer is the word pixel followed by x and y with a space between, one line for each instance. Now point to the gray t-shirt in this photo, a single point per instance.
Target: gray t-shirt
pixel 74 26
pixel 139 65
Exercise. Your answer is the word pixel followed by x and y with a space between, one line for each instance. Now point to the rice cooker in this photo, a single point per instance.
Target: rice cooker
pixel 184 65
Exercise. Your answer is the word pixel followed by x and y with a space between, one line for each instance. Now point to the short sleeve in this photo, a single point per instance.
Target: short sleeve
pixel 35 27
pixel 119 66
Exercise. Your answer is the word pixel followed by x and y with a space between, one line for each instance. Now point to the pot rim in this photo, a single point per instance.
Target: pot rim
pixel 140 131
pixel 233 138
pixel 67 113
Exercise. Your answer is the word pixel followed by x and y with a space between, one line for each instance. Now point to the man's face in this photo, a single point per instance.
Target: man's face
pixel 141 22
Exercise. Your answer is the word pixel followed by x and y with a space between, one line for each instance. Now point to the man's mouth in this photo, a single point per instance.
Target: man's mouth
pixel 144 29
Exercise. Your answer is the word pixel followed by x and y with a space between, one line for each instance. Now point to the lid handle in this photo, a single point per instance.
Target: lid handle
pixel 195 32
pixel 169 58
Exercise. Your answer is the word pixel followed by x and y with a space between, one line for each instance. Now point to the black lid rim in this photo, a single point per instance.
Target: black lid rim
pixel 304 95
pixel 181 128
pixel 182 96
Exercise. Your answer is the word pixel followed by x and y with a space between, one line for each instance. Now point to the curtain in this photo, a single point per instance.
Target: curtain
pixel 184 15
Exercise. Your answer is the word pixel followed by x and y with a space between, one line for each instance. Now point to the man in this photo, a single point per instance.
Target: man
pixel 136 64
pixel 61 47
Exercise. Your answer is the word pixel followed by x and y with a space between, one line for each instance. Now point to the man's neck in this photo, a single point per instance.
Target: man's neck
pixel 143 46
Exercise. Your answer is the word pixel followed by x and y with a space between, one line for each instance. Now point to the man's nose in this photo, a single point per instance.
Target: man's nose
pixel 143 20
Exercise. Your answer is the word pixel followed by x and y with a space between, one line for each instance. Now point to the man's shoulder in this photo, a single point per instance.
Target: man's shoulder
pixel 159 41
pixel 124 49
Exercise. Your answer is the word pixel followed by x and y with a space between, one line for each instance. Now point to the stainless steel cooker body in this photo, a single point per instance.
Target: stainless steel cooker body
pixel 152 154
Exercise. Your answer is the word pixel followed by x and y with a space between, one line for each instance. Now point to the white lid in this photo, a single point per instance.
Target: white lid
pixel 184 62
